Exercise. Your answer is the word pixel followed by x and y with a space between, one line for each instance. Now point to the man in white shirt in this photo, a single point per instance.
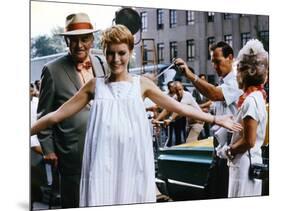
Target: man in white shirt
pixel 225 95
pixel 195 126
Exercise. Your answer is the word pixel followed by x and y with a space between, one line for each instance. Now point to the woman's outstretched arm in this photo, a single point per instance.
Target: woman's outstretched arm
pixel 69 108
pixel 150 90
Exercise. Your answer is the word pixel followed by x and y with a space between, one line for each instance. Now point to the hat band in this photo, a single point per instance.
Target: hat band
pixel 77 26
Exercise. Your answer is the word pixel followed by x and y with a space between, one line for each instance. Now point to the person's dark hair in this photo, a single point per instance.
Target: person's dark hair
pixel 37 84
pixel 31 85
pixel 169 84
pixel 226 48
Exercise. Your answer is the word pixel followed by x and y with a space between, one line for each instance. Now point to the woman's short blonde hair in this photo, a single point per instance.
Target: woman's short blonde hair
pixel 253 63
pixel 117 34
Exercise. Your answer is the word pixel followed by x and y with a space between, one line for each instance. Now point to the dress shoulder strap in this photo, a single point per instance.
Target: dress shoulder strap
pixel 137 84
pixel 100 87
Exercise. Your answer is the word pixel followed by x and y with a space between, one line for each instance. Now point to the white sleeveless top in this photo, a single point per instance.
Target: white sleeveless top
pixel 118 163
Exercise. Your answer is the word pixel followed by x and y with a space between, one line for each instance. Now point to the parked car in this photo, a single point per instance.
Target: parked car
pixel 183 169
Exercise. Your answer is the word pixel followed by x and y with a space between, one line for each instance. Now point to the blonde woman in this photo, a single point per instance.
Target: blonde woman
pixel 118 165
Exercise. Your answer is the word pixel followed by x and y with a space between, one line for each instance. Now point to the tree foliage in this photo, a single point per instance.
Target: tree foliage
pixel 44 45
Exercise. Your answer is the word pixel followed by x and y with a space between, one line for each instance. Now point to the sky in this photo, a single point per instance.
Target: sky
pixel 47 15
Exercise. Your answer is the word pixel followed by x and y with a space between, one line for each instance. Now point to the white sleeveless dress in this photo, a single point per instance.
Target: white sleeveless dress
pixel 118 164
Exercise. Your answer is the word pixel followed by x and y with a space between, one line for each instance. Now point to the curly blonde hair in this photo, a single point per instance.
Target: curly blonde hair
pixel 253 63
pixel 115 35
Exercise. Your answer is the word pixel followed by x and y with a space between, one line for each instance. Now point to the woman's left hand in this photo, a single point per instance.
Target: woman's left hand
pixel 228 122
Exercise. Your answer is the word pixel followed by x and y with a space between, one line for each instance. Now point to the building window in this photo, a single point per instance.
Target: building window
pixel 144 54
pixel 190 19
pixel 160 52
pixel 190 50
pixel 160 21
pixel 264 38
pixel 228 39
pixel 245 37
pixel 173 50
pixel 143 21
pixel 173 18
pixel 227 16
pixel 210 41
pixel 211 16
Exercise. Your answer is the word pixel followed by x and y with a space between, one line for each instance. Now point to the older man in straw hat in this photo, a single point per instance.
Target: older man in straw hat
pixel 61 79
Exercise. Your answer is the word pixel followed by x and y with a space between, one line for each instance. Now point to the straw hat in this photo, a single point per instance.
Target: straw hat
pixel 77 24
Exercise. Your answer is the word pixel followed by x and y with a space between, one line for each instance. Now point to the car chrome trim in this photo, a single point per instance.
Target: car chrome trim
pixel 157 180
pixel 185 184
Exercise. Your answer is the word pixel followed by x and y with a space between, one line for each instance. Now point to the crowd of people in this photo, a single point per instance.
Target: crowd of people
pixel 94 128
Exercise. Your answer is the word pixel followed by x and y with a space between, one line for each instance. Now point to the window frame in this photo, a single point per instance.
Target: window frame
pixel 227 40
pixel 173 50
pixel 173 18
pixel 227 16
pixel 190 17
pixel 160 52
pixel 190 50
pixel 209 43
pixel 245 37
pixel 144 21
pixel 210 17
pixel 160 19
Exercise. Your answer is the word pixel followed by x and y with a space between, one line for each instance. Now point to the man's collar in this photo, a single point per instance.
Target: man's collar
pixel 227 76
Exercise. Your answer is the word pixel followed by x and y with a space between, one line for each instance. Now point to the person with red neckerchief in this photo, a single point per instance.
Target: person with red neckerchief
pixel 252 69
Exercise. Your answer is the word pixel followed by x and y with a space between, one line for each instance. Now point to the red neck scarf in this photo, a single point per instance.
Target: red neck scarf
pixel 248 91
